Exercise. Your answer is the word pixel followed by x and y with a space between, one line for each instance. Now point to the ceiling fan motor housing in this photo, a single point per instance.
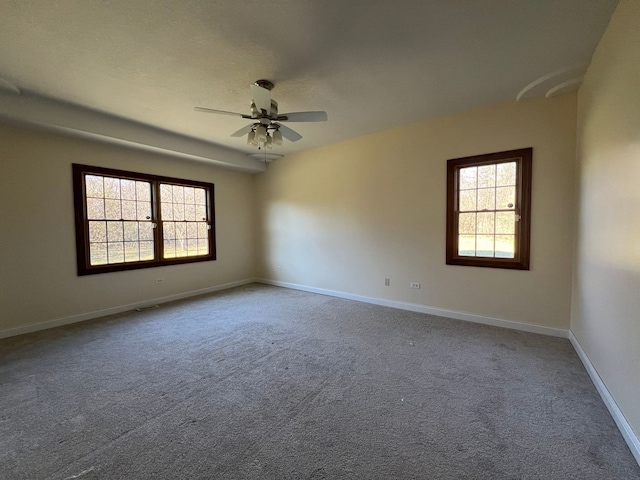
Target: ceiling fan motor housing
pixel 265 84
pixel 255 113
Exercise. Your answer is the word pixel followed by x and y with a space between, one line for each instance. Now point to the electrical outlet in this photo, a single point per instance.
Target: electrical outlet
pixel 415 284
pixel 387 282
pixel 159 280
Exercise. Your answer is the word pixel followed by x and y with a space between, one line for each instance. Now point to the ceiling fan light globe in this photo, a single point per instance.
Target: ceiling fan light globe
pixel 277 138
pixel 261 134
pixel 251 138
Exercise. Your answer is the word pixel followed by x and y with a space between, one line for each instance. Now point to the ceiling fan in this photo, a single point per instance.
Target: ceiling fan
pixel 266 129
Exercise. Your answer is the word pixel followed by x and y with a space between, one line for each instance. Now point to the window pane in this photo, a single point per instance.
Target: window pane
pixel 130 232
pixel 145 230
pixel 115 252
pixel 467 223
pixel 114 232
pixel 181 248
pixel 129 210
pixel 190 212
pixel 94 186
pixel 467 245
pixel 486 222
pixel 111 187
pixel 95 208
pixel 487 176
pixel 505 222
pixel 128 189
pixel 505 246
pixel 189 195
pixel 169 248
pixel 181 230
pixel 143 191
pixel 180 237
pixel 146 251
pixel 201 212
pixel 112 209
pixel 203 246
pixel 192 230
pixel 506 174
pixel 97 231
pixel 188 247
pixel 505 198
pixel 166 193
pixel 468 177
pixel 166 211
pixel 178 194
pixel 200 196
pixel 202 229
pixel 467 200
pixel 98 253
pixel 144 210
pixel 169 230
pixel 131 253
pixel 193 247
pixel 487 199
pixel 178 211
pixel 484 245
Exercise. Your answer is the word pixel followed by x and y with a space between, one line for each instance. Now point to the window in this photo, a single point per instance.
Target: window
pixel 488 210
pixel 127 220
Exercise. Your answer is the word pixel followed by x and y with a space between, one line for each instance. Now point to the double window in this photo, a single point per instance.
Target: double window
pixel 127 220
pixel 488 210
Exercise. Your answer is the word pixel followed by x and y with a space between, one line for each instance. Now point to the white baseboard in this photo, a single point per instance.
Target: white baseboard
pixel 34 327
pixel 440 312
pixel 625 429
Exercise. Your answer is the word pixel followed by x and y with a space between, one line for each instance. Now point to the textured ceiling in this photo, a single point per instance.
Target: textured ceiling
pixel 370 64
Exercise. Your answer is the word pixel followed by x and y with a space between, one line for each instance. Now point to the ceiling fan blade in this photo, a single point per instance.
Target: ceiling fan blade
pixel 221 112
pixel 243 131
pixel 303 117
pixel 262 98
pixel 287 133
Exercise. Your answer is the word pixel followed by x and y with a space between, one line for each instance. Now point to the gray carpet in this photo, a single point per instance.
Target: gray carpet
pixel 261 382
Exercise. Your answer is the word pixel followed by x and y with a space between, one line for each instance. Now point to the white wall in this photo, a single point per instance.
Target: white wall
pixel 38 280
pixel 606 302
pixel 345 216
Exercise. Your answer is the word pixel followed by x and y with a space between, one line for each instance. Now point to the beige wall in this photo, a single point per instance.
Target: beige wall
pixel 38 280
pixel 345 216
pixel 606 304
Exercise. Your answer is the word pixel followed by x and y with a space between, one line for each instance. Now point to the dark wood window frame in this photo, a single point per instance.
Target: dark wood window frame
pixel 82 221
pixel 523 159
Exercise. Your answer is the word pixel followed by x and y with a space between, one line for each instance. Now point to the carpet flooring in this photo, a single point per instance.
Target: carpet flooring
pixel 261 382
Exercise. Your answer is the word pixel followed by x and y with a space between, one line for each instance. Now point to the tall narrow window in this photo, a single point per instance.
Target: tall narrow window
pixel 488 210
pixel 127 220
